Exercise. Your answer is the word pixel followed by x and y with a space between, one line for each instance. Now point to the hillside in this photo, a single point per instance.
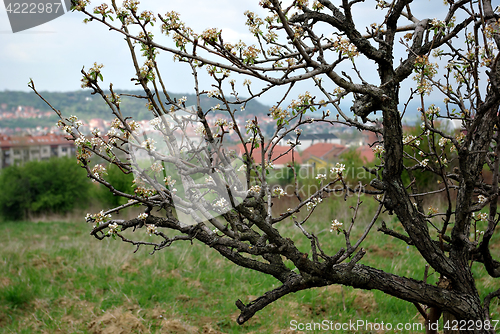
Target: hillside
pixel 87 106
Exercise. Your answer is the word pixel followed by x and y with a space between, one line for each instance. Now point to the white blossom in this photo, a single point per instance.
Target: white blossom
pixel 313 203
pixel 151 229
pixel 149 144
pixel 169 181
pixel 221 121
pixel 98 218
pixel 221 203
pixel 68 129
pixel 338 169
pixel 96 132
pixel 408 139
pixel 98 170
pixel 112 132
pixel 213 93
pixel 482 199
pixel 159 123
pixel 250 124
pixel 80 141
pixel 113 228
pixel 134 126
pixel 255 188
pixel 200 130
pixel 157 167
pixel 336 226
pixel 483 216
pixel 270 165
pixel 443 141
pixel 156 122
pixel 278 191
pixel 378 149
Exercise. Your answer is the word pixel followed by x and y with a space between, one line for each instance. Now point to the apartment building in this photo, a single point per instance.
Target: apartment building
pixel 16 150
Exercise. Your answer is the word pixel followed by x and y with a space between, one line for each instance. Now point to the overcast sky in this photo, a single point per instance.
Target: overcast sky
pixel 54 53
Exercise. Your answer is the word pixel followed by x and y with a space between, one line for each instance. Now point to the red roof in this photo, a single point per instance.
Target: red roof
pixel 366 153
pixel 323 151
pixel 23 141
pixel 282 155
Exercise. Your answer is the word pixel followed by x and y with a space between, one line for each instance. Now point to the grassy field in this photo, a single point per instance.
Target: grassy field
pixel 55 278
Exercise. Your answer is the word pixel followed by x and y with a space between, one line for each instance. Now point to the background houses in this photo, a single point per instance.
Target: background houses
pixel 309 139
pixel 15 150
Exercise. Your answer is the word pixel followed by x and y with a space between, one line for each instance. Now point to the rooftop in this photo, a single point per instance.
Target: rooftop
pixel 323 151
pixel 7 142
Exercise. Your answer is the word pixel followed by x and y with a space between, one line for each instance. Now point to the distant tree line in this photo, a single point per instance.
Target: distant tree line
pixel 86 105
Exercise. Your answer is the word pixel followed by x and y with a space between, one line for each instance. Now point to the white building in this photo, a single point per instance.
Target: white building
pixel 15 150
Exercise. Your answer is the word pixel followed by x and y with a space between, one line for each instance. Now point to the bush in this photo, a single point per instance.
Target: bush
pixel 52 186
pixel 121 182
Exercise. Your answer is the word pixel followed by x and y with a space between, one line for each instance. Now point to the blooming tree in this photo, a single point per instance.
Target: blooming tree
pixel 202 190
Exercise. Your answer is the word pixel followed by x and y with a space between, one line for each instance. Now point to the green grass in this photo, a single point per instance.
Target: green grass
pixel 55 278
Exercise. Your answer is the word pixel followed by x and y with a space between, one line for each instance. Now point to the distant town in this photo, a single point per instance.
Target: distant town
pixel 29 132
pixel 320 144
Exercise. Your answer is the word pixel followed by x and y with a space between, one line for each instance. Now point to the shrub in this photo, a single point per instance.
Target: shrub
pixel 52 186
